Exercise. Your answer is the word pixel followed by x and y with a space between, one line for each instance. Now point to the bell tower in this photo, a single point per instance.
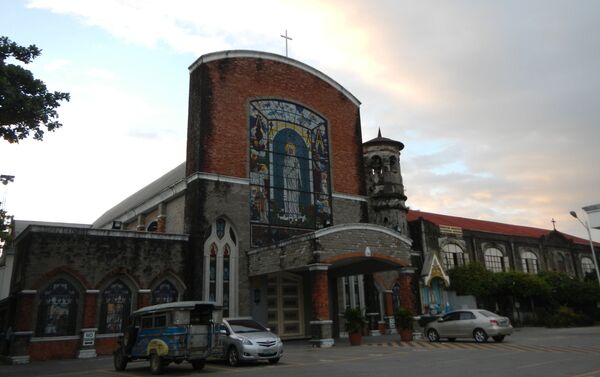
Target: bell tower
pixel 381 158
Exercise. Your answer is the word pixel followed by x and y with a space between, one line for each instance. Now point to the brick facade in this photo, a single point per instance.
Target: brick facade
pixel 48 350
pixel 218 114
pixel 320 295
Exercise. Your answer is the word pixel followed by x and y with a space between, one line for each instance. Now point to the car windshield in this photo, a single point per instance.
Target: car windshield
pixel 488 314
pixel 245 326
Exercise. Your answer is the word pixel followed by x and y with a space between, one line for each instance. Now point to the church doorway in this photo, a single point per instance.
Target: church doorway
pixel 285 305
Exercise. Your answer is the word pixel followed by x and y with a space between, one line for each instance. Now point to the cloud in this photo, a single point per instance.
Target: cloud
pixel 496 102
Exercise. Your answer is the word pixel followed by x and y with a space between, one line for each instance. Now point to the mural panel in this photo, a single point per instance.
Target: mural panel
pixel 289 170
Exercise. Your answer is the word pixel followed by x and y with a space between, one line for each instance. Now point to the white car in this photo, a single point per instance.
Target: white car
pixel 478 324
pixel 244 339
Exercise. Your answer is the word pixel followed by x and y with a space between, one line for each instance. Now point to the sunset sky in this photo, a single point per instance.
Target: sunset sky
pixel 497 102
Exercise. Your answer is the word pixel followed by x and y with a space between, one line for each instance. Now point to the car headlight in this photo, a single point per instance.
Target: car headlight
pixel 246 341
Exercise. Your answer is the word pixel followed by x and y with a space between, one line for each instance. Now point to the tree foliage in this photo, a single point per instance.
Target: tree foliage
pixel 472 279
pixel 26 106
pixel 558 297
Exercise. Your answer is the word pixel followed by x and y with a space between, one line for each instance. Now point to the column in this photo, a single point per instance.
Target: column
pixel 161 219
pixel 24 327
pixel 388 305
pixel 88 327
pixel 140 223
pixel 321 325
pixel 407 293
pixel 144 298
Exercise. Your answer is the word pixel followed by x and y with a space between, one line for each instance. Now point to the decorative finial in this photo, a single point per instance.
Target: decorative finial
pixel 379 133
pixel 553 224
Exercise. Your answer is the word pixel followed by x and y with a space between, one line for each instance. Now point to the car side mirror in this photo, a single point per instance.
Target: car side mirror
pixel 222 332
pixel 440 320
pixel 268 329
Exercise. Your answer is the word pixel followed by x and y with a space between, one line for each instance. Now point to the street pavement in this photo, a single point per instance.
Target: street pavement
pixel 534 352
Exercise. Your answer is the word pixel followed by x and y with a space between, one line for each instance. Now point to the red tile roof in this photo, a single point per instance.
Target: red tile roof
pixel 489 226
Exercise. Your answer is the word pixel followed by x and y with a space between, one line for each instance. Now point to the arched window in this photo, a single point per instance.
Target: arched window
pixel 530 262
pixel 561 263
pixel 453 256
pixel 393 165
pixel 494 260
pixel 153 226
pixel 164 292
pixel 115 308
pixel 587 266
pixel 57 312
pixel 220 267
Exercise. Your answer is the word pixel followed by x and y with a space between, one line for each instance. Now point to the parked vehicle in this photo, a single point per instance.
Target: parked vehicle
pixel 476 323
pixel 165 333
pixel 244 339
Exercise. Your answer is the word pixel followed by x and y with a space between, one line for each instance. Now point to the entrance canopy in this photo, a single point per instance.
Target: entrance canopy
pixel 344 249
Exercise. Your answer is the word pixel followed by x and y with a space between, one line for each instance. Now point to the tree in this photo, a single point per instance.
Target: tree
pixel 26 106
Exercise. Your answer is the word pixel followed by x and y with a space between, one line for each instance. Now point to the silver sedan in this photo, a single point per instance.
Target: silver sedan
pixel 478 324
pixel 244 339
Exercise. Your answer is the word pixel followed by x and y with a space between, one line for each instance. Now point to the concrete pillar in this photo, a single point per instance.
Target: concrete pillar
pixel 140 223
pixel 88 328
pixel 321 325
pixel 161 219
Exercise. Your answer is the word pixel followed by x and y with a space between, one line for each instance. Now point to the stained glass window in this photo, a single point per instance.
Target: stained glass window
pixel 220 271
pixel 57 313
pixel 289 171
pixel 116 306
pixel 212 294
pixel 165 292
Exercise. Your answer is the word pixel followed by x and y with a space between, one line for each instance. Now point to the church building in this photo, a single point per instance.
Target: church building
pixel 280 212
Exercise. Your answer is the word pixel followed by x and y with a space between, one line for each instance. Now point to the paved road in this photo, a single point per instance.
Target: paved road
pixel 529 352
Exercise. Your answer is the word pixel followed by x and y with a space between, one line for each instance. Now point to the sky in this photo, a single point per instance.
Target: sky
pixel 495 101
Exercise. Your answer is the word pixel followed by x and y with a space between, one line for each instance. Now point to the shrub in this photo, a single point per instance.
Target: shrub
pixel 355 320
pixel 404 319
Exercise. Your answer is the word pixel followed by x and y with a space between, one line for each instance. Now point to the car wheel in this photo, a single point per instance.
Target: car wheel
pixel 451 339
pixel 480 336
pixel 156 364
pixel 233 357
pixel 498 338
pixel 273 361
pixel 433 335
pixel 119 360
pixel 198 364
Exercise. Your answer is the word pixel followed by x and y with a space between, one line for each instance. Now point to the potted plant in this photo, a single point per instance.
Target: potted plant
pixel 404 323
pixel 355 322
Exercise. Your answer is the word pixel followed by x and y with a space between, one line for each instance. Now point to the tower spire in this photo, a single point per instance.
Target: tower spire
pixel 379 133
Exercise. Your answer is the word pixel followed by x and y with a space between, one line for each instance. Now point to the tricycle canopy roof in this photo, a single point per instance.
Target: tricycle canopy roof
pixel 178 305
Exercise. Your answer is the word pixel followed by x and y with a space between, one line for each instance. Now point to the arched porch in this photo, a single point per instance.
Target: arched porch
pixel 332 256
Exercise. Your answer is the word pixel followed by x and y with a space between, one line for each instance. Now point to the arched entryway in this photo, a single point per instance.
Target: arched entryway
pixel 347 265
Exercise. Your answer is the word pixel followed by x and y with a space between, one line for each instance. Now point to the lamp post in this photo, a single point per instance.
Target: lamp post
pixel 587 227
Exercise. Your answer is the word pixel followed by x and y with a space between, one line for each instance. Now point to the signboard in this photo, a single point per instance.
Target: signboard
pixel 593 213
pixel 89 338
pixel 451 230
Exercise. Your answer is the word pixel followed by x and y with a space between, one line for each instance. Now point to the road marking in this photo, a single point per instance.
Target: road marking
pixel 588 374
pixel 544 363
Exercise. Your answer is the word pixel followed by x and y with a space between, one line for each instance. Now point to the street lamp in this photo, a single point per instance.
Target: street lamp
pixel 587 227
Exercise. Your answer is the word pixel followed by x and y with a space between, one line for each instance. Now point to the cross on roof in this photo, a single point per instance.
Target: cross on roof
pixel 554 224
pixel 286 41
